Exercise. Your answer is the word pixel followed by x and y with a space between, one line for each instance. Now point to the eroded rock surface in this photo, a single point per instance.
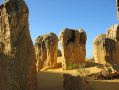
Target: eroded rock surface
pixel 106 46
pixel 74 82
pixel 73 44
pixel 117 6
pixel 113 32
pixel 17 55
pixel 46 47
pixel 110 71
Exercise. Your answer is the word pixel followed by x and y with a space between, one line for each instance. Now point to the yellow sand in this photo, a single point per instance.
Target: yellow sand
pixel 53 80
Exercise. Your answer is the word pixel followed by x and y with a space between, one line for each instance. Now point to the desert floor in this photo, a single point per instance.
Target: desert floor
pixel 52 79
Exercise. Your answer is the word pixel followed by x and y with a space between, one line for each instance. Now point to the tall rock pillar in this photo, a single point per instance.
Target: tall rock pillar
pixel 73 44
pixel 17 55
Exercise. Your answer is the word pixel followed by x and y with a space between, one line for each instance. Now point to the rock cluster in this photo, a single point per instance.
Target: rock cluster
pixel 20 60
pixel 110 71
pixel 73 44
pixel 17 55
pixel 46 47
pixel 106 46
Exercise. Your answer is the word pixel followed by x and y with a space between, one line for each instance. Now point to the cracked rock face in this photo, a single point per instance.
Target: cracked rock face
pixel 113 32
pixel 117 6
pixel 73 44
pixel 46 47
pixel 17 55
pixel 106 46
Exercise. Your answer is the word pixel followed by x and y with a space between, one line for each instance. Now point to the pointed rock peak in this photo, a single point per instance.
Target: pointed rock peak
pixel 81 30
pixel 98 38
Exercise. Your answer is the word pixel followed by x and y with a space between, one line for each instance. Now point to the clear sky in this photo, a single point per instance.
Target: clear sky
pixel 94 16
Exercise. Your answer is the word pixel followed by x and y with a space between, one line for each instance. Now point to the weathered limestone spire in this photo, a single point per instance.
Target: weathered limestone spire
pixel 17 55
pixel 73 44
pixel 106 46
pixel 46 47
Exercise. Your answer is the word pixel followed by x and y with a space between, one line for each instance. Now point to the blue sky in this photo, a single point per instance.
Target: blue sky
pixel 94 16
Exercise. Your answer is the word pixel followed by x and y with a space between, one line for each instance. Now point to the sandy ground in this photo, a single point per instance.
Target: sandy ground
pixel 50 81
pixel 53 80
pixel 104 85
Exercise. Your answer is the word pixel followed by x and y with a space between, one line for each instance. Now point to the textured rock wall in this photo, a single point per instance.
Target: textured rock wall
pixel 106 46
pixel 17 55
pixel 117 6
pixel 113 32
pixel 99 54
pixel 73 44
pixel 46 47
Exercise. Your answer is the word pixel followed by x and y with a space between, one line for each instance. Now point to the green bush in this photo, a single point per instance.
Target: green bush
pixel 71 66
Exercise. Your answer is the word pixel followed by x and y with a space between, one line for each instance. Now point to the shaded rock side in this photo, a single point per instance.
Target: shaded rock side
pixel 73 44
pixel 106 46
pixel 17 55
pixel 104 50
pixel 74 82
pixel 59 53
pixel 117 6
pixel 46 47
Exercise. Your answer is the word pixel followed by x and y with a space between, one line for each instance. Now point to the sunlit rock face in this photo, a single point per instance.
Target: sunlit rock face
pixel 17 55
pixel 46 47
pixel 73 44
pixel 113 32
pixel 117 6
pixel 106 46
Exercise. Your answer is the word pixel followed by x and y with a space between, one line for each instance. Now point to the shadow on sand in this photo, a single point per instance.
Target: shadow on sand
pixel 50 81
pixel 104 85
